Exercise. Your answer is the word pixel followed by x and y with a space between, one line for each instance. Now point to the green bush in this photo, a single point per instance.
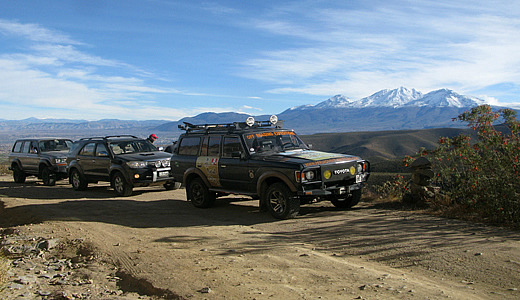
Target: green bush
pixel 481 175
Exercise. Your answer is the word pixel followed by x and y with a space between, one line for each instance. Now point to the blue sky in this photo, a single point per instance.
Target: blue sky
pixel 161 59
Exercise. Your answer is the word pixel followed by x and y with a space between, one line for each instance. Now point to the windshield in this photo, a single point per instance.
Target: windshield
pixel 134 146
pixel 275 141
pixel 54 145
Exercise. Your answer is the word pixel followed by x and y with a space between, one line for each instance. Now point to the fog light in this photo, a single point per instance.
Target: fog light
pixel 136 176
pixel 352 170
pixel 327 174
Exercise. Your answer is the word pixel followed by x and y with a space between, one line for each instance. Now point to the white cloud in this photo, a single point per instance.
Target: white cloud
pixel 425 46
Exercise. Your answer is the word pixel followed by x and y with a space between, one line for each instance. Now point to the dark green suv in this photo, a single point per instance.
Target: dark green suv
pixel 124 161
pixel 266 162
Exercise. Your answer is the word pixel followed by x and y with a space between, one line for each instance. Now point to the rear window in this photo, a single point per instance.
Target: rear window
pixel 189 146
pixel 17 146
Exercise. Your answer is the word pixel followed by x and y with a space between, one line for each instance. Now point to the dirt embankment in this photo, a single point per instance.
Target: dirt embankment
pixel 155 244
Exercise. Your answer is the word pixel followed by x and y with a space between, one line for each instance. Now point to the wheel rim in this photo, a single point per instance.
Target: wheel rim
pixel 118 184
pixel 197 194
pixel 75 179
pixel 277 202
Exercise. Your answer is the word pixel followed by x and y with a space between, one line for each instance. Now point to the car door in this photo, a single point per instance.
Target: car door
pixel 233 167
pixel 85 159
pixel 100 163
pixel 26 157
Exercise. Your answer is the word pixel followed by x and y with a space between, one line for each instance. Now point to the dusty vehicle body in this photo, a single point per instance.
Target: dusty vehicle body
pixel 264 161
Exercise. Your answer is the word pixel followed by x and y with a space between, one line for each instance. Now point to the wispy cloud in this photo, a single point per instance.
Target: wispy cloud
pixel 423 45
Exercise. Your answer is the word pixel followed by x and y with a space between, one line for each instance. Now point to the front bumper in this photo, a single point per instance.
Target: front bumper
pixel 150 176
pixel 334 188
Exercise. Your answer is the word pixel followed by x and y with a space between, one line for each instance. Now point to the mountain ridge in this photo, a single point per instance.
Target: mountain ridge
pixel 396 109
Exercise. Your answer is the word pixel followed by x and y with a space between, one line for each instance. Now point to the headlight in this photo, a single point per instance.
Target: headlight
pixel 309 175
pixel 60 161
pixel 136 164
pixel 165 163
pixel 159 163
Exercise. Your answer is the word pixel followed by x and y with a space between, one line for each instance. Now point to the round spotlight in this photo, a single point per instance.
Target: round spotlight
pixel 273 119
pixel 250 121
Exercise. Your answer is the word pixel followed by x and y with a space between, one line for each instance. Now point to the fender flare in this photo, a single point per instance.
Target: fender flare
pixel 117 168
pixel 16 162
pixel 194 172
pixel 274 174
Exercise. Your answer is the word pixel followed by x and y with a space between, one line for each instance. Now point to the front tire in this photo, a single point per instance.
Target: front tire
pixel 281 202
pixel 18 174
pixel 121 186
pixel 48 178
pixel 78 181
pixel 172 185
pixel 200 195
pixel 348 202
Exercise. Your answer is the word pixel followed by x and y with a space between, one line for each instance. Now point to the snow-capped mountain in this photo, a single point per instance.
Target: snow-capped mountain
pixel 389 98
pixel 400 97
pixel 446 98
pixel 335 102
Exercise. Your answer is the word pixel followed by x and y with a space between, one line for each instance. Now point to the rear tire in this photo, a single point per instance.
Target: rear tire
pixel 18 174
pixel 121 186
pixel 348 202
pixel 78 181
pixel 48 178
pixel 199 194
pixel 281 202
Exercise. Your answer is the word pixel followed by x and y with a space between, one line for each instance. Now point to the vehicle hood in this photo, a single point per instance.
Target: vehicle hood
pixel 144 156
pixel 55 154
pixel 311 158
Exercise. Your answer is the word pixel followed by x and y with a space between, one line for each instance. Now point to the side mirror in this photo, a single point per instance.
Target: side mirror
pixel 310 146
pixel 160 148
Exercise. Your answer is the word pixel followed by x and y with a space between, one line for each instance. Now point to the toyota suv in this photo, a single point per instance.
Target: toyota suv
pixel 41 157
pixel 266 162
pixel 125 161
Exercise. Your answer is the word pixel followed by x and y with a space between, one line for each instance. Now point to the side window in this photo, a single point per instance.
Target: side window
pixel 189 146
pixel 26 146
pixel 17 146
pixel 210 146
pixel 34 147
pixel 214 146
pixel 101 148
pixel 88 149
pixel 231 144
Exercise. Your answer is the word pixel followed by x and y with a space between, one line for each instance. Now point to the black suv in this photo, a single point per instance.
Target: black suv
pixel 125 161
pixel 262 160
pixel 43 158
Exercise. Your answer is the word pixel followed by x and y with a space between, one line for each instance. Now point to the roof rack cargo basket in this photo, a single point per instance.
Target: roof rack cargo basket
pixel 249 123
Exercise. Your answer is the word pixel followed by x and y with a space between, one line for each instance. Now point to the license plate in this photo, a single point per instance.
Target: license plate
pixel 359 178
pixel 163 174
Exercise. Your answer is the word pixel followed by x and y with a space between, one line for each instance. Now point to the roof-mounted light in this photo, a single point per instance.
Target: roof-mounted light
pixel 273 119
pixel 250 121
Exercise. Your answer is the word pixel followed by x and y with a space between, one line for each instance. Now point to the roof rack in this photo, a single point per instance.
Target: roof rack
pixel 249 123
pixel 108 137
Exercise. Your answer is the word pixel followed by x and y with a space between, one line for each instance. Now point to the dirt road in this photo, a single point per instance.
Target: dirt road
pixel 156 243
